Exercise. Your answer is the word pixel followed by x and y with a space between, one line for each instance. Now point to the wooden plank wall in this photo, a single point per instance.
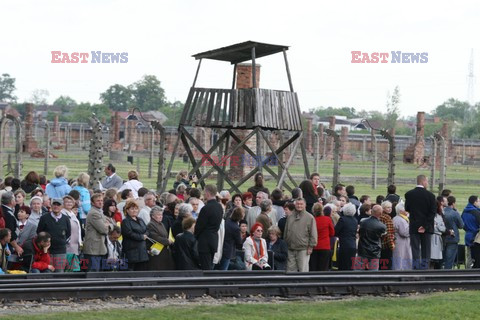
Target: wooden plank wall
pixel 244 108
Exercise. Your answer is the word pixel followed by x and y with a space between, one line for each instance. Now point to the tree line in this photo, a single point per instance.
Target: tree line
pixel 146 94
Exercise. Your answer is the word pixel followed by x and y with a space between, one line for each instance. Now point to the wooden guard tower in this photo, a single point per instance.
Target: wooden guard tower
pixel 253 109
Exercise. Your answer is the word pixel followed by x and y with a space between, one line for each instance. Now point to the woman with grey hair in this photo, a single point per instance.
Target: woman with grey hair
pixel 346 231
pixel 402 255
pixel 184 211
pixel 157 232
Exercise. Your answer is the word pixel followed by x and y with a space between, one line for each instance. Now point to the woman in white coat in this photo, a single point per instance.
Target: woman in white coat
pixel 255 247
pixel 132 184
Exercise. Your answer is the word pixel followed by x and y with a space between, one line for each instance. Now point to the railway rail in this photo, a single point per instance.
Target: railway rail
pixel 218 284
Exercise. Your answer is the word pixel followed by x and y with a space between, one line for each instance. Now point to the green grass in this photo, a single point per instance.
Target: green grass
pixel 452 305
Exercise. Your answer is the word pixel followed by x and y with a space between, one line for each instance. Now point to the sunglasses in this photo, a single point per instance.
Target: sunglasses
pixel 259 230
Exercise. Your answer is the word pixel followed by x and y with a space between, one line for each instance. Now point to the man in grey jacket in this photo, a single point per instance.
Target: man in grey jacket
pixel 96 230
pixel 301 237
pixel 112 180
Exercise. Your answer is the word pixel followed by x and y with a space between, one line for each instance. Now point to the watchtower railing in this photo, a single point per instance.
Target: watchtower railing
pixel 242 108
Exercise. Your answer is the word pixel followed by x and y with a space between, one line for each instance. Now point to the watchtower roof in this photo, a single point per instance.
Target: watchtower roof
pixel 241 52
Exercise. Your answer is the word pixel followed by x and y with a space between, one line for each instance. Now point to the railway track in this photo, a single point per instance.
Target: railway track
pixel 230 284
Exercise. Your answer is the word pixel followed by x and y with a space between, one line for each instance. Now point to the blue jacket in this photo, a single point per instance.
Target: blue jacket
pixel 453 221
pixel 471 219
pixel 58 188
pixel 85 204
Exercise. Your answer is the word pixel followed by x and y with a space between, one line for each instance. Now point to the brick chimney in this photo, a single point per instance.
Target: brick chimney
pixel 243 160
pixel 244 75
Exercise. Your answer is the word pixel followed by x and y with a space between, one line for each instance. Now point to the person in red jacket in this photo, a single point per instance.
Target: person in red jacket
pixel 38 247
pixel 320 258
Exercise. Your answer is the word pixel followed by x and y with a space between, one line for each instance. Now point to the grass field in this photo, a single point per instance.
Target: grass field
pixel 451 305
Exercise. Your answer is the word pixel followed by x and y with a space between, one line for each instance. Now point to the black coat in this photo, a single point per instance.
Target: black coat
pixel 168 220
pixel 346 231
pixel 28 187
pixel 280 254
pixel 254 190
pixel 185 252
pixel 10 221
pixel 164 260
pixel 206 229
pixel 232 240
pixel 281 224
pixel 392 197
pixel 59 231
pixel 310 201
pixel 421 205
pixel 370 244
pixel 133 244
pixel 177 227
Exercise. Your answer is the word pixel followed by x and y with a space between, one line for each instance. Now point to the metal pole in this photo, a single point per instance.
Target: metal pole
pixel 161 156
pixel 18 149
pixel 336 157
pixel 129 137
pixel 47 147
pixel 67 136
pixel 81 136
pixel 364 148
pixel 152 145
pixel 204 146
pixel 443 161
pixel 374 160
pixel 324 148
pixel 317 150
pixel 433 162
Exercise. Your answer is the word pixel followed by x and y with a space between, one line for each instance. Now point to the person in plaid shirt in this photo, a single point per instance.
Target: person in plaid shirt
pixel 388 240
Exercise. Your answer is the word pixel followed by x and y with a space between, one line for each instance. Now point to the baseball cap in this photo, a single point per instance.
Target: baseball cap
pixel 57 200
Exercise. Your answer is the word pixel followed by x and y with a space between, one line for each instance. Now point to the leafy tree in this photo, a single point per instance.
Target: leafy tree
pixel 404 131
pixel 39 96
pixel 7 87
pixel 148 94
pixel 117 97
pixel 173 111
pixel 471 128
pixel 392 114
pixel 82 113
pixel 453 109
pixel 65 102
pixel 330 111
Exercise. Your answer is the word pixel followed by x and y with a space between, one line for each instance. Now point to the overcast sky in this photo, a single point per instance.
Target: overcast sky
pixel 160 37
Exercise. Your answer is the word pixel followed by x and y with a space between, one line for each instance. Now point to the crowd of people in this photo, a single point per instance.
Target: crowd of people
pixel 65 226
